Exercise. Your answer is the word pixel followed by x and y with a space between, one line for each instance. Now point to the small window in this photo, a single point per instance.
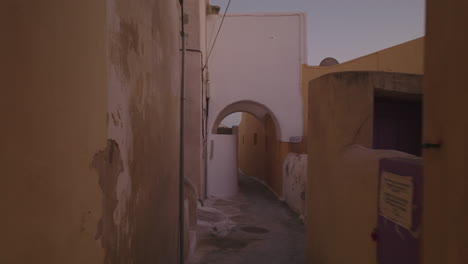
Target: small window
pixel 243 139
pixel 255 139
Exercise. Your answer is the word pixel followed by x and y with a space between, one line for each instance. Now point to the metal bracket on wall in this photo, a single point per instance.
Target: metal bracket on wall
pixel 431 145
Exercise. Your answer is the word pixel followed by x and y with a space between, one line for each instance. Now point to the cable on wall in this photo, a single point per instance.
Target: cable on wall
pixel 217 34
pixel 181 139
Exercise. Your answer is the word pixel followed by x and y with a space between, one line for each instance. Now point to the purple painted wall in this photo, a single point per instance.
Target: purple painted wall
pixel 396 244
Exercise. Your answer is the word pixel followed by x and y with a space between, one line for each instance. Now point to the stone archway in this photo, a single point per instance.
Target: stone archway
pixel 254 108
pixel 226 151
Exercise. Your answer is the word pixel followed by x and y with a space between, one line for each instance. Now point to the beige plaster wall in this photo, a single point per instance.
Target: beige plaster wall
pixel 194 163
pixel 407 57
pixel 445 229
pixel 90 149
pixel 341 197
pixel 53 111
pixel 344 210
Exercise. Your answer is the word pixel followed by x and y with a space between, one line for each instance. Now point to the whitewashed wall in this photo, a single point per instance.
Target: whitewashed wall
pixel 222 165
pixel 258 57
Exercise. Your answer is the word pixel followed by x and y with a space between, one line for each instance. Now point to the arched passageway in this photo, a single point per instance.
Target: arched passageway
pixel 249 145
pixel 242 218
pixel 256 109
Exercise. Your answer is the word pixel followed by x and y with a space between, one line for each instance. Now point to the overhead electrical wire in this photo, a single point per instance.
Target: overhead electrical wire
pixel 217 34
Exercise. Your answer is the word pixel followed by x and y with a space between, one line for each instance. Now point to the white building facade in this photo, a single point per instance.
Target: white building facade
pixel 256 67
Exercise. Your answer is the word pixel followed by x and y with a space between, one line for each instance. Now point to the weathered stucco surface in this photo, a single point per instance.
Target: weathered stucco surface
pixel 294 181
pixel 90 146
pixel 342 184
pixel 194 93
pixel 445 229
pixel 144 78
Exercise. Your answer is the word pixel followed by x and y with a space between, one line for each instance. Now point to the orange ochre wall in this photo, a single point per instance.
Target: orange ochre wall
pixel 264 160
pixel 406 57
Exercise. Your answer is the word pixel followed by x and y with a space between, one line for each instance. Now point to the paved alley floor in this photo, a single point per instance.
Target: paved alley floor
pixel 252 227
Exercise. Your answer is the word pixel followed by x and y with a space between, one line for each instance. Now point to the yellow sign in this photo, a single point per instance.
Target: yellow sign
pixel 396 199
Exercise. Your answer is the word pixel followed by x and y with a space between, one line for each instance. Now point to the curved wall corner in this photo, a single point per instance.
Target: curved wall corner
pixel 222 165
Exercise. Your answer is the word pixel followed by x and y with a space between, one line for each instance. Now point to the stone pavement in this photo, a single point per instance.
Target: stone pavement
pixel 251 227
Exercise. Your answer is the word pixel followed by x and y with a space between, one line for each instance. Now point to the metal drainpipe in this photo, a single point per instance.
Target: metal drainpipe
pixel 181 144
pixel 207 130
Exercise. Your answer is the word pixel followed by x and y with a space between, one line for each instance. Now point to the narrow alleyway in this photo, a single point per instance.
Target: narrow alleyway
pixel 251 227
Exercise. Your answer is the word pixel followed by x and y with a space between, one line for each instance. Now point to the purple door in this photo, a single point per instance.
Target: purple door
pixel 399 211
pixel 398 125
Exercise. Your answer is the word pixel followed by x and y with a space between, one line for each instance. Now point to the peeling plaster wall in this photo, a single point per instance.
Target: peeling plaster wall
pixel 294 181
pixel 143 112
pixel 90 143
pixel 53 112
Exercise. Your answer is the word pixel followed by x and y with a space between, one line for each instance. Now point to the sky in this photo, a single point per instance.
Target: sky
pixel 346 29
pixel 231 120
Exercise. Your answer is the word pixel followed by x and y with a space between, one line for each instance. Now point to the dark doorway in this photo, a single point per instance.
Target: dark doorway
pixel 398 124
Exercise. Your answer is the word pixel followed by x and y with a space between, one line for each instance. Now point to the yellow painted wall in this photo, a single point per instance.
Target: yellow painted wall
pixel 264 160
pixel 407 57
pixel 342 183
pixel 251 157
pixel 445 228
pixel 275 155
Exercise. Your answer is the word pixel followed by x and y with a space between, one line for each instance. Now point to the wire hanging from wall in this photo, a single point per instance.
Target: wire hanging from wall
pixel 217 34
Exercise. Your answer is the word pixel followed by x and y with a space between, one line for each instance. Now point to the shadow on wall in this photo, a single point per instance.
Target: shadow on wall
pixel 260 154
